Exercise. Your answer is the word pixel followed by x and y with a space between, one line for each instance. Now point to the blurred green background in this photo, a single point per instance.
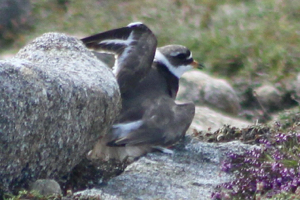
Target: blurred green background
pixel 248 42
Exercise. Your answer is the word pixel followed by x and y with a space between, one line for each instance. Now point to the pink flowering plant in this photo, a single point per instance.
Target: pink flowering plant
pixel 269 171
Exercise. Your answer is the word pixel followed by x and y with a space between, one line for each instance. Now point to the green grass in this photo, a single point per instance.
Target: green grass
pixel 33 195
pixel 255 40
pixel 285 196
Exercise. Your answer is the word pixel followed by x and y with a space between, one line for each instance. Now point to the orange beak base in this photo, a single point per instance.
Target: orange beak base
pixel 196 65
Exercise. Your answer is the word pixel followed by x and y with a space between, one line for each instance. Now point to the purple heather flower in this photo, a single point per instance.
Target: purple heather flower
pixel 279 180
pixel 216 196
pixel 276 166
pixel 295 182
pixel 292 171
pixel 226 166
pixel 266 172
pixel 298 137
pixel 280 137
pixel 265 142
pixel 277 155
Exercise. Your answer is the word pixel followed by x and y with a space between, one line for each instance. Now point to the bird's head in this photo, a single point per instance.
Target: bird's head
pixel 177 58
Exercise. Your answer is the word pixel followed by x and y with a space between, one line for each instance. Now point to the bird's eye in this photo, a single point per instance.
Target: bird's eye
pixel 181 56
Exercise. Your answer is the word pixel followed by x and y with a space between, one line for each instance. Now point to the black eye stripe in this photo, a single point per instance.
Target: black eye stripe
pixel 181 56
pixel 188 53
pixel 189 61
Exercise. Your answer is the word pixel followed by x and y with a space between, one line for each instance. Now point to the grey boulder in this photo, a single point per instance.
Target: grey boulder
pixel 56 99
pixel 202 89
pixel 46 187
pixel 192 172
pixel 269 97
pixel 208 119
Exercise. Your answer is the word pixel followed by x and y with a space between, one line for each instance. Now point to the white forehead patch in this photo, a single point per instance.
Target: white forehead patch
pixel 176 71
pixel 174 54
pixel 191 55
pixel 134 24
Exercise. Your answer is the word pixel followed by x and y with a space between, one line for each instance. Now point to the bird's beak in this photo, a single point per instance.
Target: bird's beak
pixel 196 65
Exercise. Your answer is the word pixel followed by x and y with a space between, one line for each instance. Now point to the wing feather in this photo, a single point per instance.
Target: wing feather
pixel 134 46
pixel 163 124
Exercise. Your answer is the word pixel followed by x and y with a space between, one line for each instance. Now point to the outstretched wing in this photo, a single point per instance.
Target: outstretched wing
pixel 134 46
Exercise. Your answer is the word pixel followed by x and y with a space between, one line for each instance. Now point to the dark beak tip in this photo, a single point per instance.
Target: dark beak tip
pixel 200 66
pixel 197 65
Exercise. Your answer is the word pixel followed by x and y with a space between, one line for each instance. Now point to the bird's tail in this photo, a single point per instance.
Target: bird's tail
pixel 102 151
